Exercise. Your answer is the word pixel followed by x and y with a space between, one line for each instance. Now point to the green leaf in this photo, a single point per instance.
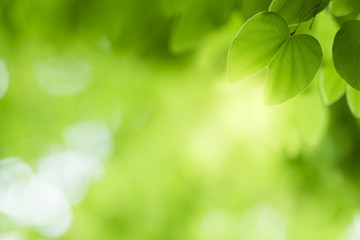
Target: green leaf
pixel 295 11
pixel 346 53
pixel 331 85
pixel 293 69
pixel 353 99
pixel 341 7
pixel 325 29
pixel 265 40
pixel 256 44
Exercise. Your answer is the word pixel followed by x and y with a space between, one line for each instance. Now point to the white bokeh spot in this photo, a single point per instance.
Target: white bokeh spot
pixel 63 76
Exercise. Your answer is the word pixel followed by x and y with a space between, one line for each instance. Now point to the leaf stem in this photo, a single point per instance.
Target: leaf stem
pixel 316 8
pixel 313 20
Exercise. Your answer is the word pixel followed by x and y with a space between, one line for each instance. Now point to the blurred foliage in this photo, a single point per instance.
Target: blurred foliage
pixel 195 157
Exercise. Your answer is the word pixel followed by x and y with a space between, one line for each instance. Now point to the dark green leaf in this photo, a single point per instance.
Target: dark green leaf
pixel 346 53
pixel 295 11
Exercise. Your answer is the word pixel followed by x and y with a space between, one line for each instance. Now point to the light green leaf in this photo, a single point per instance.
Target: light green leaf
pixel 256 44
pixel 265 40
pixel 324 30
pixel 346 53
pixel 341 7
pixel 353 99
pixel 295 11
pixel 331 85
pixel 293 69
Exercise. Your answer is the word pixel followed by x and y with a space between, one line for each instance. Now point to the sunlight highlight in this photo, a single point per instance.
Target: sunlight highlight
pixel 353 232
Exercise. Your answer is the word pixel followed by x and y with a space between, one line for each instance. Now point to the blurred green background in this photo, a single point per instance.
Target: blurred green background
pixel 139 89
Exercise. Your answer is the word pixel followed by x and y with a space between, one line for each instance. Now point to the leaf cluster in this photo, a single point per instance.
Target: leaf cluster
pixel 272 40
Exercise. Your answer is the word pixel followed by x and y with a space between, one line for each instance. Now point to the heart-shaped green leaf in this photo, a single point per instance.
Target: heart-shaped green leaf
pixel 293 69
pixel 256 44
pixel 346 53
pixel 265 40
pixel 296 11
pixel 353 99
